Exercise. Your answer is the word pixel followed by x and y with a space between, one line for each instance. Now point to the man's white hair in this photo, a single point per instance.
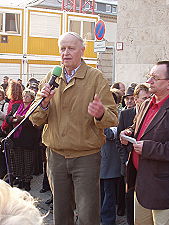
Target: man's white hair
pixel 17 207
pixel 73 34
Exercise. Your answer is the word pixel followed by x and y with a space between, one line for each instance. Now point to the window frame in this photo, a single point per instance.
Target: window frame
pixel 4 12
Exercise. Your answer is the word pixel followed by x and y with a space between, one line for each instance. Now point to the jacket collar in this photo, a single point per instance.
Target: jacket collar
pixel 79 74
pixel 160 114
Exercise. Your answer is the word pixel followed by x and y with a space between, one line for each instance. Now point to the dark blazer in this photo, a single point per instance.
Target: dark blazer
pixel 152 182
pixel 125 120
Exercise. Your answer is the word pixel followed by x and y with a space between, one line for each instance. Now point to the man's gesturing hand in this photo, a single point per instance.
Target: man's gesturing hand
pixel 48 94
pixel 96 108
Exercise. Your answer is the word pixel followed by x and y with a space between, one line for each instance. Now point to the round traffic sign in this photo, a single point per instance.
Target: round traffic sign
pixel 100 30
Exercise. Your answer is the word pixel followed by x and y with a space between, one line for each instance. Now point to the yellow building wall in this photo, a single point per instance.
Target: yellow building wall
pixel 43 46
pixel 14 45
pixel 15 42
pixel 92 65
pixel 89 50
pixel 43 62
pixel 39 45
pixel 17 61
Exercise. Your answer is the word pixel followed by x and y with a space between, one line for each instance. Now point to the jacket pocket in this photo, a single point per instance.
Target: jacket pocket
pixel 162 176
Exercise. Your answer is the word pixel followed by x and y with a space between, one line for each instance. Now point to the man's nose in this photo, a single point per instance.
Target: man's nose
pixel 149 80
pixel 66 51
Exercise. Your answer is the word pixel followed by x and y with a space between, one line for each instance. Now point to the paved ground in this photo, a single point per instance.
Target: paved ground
pixel 36 185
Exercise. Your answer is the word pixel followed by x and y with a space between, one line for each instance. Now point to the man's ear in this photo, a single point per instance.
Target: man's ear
pixel 168 85
pixel 82 50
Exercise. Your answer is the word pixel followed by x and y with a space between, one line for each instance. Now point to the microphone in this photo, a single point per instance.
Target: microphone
pixel 57 71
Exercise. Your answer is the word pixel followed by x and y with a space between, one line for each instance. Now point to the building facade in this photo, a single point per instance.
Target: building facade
pixel 29 37
pixel 142 27
pixel 107 11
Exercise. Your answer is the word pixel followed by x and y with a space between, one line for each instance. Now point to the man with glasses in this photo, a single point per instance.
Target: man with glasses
pixel 150 155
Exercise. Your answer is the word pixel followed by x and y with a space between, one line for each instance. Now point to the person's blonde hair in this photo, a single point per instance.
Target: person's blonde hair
pixel 30 92
pixel 17 207
pixel 141 87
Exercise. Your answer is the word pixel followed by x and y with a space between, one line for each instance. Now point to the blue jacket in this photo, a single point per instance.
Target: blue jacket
pixel 110 159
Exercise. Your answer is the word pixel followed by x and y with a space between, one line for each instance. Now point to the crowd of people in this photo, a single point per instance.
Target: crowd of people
pixel 90 166
pixel 23 146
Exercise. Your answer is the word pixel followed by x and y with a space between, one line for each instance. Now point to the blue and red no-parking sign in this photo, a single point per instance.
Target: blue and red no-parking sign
pixel 100 30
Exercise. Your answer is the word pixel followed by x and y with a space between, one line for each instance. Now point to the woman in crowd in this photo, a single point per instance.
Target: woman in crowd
pixel 3 106
pixel 3 112
pixel 17 207
pixel 14 93
pixel 24 141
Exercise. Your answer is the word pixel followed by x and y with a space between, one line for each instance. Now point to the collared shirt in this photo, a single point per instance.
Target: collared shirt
pixel 70 76
pixel 152 111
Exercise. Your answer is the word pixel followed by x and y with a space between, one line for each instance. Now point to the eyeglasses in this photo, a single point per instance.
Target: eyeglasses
pixel 155 77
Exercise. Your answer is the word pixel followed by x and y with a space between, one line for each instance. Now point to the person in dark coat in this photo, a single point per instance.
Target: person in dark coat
pixel 109 171
pixel 5 83
pixel 150 154
pixel 140 93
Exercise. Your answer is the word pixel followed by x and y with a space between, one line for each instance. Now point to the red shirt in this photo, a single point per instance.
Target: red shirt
pixel 153 109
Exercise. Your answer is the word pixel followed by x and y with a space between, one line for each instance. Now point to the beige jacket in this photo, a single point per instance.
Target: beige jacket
pixel 69 129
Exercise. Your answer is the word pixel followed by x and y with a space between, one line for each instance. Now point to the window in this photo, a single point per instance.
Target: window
pixel 114 9
pixel 95 6
pixel 108 8
pixel 88 28
pixel 75 26
pixel 10 23
pixel 45 25
pixel 84 28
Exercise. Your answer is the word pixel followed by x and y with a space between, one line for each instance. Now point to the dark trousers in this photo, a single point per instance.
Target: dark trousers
pixel 45 183
pixel 75 182
pixel 130 207
pixel 121 192
pixel 3 170
pixel 108 200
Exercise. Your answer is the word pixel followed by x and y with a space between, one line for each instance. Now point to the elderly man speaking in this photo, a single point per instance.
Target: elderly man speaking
pixel 75 115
